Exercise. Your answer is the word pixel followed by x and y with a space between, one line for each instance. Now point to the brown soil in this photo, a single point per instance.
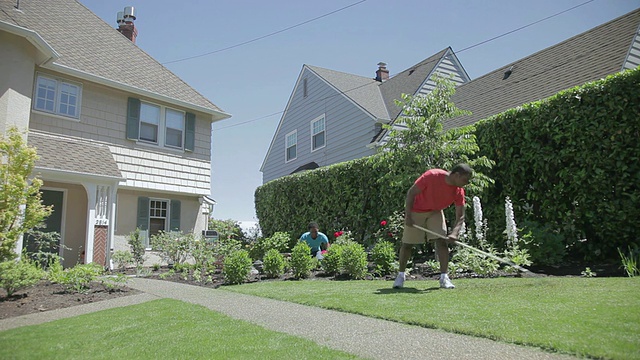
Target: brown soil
pixel 46 296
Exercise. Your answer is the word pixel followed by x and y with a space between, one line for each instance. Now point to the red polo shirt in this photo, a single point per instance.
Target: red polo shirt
pixel 436 194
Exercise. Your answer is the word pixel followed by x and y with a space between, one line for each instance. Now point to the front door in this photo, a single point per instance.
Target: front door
pixel 53 223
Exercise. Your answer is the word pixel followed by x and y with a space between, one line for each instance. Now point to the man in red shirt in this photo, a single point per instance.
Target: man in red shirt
pixel 434 191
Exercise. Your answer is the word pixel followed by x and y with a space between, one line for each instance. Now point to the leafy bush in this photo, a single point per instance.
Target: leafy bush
pixel 301 262
pixel 137 247
pixel 122 259
pixel 79 278
pixel 545 246
pixel 227 229
pixel 466 260
pixel 383 256
pixel 174 246
pixel 43 247
pixel 236 267
pixel 17 275
pixel 273 263
pixel 279 241
pixel 354 260
pixel 332 262
pixel 203 254
pixel 114 282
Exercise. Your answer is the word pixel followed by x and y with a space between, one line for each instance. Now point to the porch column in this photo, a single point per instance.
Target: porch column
pixel 91 220
pixel 111 215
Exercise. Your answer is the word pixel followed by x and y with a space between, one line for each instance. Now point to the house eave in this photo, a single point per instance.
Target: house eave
pixel 67 175
pixel 48 53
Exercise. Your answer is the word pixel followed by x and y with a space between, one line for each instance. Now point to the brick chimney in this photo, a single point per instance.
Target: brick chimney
pixel 126 25
pixel 382 73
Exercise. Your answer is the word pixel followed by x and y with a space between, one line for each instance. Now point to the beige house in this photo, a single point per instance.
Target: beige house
pixel 123 142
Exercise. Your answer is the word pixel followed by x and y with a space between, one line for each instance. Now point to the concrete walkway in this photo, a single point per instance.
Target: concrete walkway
pixel 359 335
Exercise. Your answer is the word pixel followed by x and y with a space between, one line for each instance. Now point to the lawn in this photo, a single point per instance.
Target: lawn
pixel 595 317
pixel 161 329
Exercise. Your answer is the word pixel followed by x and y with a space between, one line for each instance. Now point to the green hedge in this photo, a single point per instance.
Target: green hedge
pixel 575 159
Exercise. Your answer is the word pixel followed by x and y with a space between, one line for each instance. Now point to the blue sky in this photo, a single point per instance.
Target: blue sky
pixel 255 80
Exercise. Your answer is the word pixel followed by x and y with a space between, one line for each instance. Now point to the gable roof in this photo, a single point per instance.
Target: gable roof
pixel 408 82
pixel 91 49
pixel 589 56
pixel 362 90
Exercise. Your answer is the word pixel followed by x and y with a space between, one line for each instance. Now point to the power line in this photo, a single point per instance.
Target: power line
pixel 467 48
pixel 265 36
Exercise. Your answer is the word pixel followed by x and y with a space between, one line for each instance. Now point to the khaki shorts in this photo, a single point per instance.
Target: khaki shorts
pixel 433 220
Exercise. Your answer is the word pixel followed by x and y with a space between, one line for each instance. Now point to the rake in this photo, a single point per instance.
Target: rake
pixel 524 271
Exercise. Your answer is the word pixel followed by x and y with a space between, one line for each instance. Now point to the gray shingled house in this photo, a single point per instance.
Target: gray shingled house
pixel 123 142
pixel 333 117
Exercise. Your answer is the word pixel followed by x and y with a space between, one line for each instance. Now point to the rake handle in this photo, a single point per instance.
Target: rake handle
pixel 504 261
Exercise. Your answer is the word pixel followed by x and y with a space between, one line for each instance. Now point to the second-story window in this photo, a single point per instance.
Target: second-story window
pixel 291 145
pixel 57 96
pixel 161 125
pixel 317 133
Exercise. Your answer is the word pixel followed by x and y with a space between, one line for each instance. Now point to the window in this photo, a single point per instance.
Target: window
pixel 160 125
pixel 57 96
pixel 317 133
pixel 291 145
pixel 156 215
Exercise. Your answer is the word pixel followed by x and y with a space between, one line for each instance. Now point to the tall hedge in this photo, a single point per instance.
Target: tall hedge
pixel 572 160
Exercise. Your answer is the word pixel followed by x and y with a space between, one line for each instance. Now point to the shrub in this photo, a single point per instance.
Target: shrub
pixel 545 246
pixel 383 256
pixel 354 260
pixel 174 246
pixel 203 255
pixel 279 241
pixel 301 262
pixel 273 263
pixel 236 267
pixel 79 278
pixel 114 282
pixel 43 247
pixel 122 259
pixel 17 275
pixel 332 262
pixel 137 247
pixel 466 260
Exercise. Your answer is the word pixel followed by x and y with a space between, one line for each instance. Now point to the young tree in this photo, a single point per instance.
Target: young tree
pixel 420 141
pixel 21 208
pixel 227 229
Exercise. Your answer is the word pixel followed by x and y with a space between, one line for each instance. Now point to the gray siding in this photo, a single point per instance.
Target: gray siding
pixel 633 59
pixel 348 129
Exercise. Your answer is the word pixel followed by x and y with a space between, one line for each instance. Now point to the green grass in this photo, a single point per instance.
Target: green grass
pixel 596 317
pixel 161 329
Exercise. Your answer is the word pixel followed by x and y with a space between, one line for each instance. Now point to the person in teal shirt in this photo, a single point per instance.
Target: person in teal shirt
pixel 316 240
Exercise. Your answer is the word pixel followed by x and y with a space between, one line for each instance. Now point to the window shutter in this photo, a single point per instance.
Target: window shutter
pixel 174 224
pixel 190 132
pixel 143 213
pixel 133 119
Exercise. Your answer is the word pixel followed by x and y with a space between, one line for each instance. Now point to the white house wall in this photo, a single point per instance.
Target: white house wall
pixel 343 119
pixel 633 59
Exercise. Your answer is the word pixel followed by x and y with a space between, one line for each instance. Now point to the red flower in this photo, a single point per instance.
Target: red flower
pixel 383 222
pixel 336 234
pixel 390 234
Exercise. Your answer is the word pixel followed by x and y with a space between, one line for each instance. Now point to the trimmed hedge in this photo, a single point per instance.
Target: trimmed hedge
pixel 575 159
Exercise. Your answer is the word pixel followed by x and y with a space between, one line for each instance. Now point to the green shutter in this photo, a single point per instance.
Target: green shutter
pixel 133 119
pixel 143 213
pixel 190 132
pixel 174 224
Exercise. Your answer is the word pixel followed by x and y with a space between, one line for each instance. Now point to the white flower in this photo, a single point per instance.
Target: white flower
pixel 512 235
pixel 477 217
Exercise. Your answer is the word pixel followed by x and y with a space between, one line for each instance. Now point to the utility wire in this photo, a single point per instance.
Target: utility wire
pixel 465 49
pixel 265 36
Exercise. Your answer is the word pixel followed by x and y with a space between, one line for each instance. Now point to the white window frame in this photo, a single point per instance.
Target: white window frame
pixel 59 83
pixel 324 130
pixel 287 146
pixel 162 127
pixel 167 218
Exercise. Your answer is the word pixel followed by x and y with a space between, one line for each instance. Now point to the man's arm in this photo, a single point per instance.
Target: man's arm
pixel 459 222
pixel 408 203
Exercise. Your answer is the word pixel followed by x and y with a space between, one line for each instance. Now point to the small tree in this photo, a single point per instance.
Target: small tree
pixel 21 207
pixel 227 229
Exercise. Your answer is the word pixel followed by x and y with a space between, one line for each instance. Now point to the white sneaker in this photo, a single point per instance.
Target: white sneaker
pixel 399 283
pixel 445 282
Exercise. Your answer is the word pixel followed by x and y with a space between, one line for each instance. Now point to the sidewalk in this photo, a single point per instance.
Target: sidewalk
pixel 356 334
